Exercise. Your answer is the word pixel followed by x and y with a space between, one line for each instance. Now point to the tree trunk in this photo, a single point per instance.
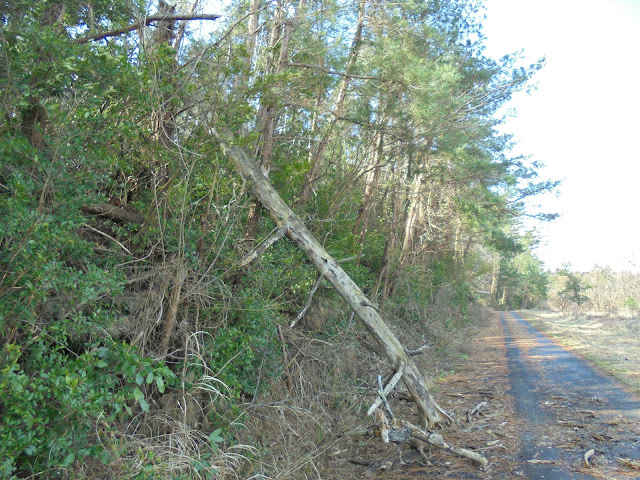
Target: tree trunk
pixel 174 303
pixel 411 224
pixel 314 173
pixel 384 279
pixel 164 124
pixel 495 279
pixel 268 111
pixel 430 412
pixel 458 243
pixel 163 118
pixel 371 184
pixel 252 33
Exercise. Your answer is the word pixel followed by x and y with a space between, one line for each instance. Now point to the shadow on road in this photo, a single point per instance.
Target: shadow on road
pixel 569 407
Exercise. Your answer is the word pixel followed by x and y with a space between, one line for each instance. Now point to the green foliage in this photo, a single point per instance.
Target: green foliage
pixel 522 280
pixel 81 123
pixel 574 287
pixel 244 352
pixel 62 383
pixel 202 465
pixel 631 304
pixel 57 404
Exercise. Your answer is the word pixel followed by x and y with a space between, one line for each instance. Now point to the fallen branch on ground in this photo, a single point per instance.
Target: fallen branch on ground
pixel 401 432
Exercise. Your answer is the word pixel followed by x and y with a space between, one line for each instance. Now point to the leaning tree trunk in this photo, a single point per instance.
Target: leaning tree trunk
pixel 430 412
pixel 314 173
pixel 371 185
pixel 281 34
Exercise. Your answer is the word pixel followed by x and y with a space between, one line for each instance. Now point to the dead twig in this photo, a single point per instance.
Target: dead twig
pixel 312 292
pixel 107 236
pixel 307 304
pixel 418 351
pixel 587 456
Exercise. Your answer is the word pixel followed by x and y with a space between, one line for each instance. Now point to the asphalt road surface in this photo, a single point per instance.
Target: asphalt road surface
pixel 569 407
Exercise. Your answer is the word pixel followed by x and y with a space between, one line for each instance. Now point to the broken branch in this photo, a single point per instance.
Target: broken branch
pixel 314 288
pixel 146 22
pixel 107 236
pixel 111 212
pixel 422 349
pixel 259 250
pixel 382 396
pixel 436 440
pixel 307 304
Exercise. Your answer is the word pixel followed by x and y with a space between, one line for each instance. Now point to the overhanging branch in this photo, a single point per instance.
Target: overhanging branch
pixel 146 22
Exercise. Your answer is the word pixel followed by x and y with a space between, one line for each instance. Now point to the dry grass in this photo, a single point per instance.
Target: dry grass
pixel 321 395
pixel 312 420
pixel 611 342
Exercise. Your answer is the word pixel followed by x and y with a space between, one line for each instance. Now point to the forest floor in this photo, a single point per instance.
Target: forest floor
pixel 532 407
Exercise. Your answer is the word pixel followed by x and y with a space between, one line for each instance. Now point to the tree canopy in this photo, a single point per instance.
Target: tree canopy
pixel 123 226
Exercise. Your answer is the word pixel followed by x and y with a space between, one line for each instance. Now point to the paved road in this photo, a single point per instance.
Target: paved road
pixel 569 408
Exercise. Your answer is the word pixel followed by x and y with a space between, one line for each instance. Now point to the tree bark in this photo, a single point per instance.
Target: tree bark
pixel 371 184
pixel 313 174
pixel 430 412
pixel 384 278
pixel 252 32
pixel 413 216
pixel 495 278
pixel 281 33
pixel 111 212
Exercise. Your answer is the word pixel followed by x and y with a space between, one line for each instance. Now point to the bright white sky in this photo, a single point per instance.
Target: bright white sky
pixel 582 122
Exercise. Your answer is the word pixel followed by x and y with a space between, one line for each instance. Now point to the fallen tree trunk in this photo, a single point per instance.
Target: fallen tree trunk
pixel 429 411
pixel 114 213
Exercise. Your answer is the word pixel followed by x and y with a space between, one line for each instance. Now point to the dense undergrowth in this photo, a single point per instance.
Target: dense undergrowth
pixel 134 342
